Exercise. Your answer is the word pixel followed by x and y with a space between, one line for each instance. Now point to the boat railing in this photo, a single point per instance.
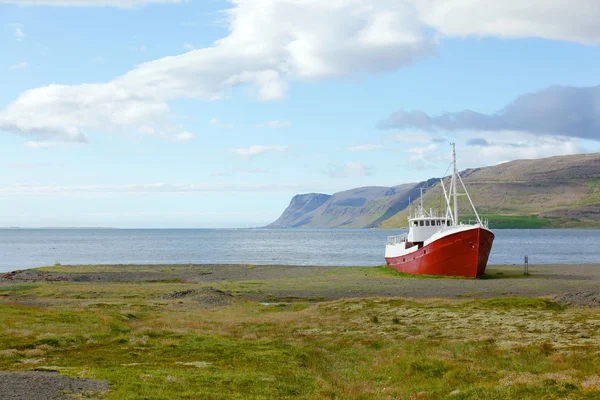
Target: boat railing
pixel 397 239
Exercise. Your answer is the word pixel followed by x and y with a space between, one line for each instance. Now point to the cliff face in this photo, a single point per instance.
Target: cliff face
pixel 364 207
pixel 298 213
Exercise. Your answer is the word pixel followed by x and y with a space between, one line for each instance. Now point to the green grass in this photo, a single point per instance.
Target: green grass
pixel 590 199
pixel 18 287
pixel 516 221
pixel 148 347
pixel 386 270
pixel 591 186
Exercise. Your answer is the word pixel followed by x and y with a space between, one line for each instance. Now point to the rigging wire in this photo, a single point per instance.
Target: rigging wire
pixel 443 176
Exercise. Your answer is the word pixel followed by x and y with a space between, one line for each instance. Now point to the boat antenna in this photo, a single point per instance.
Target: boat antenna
pixel 454 174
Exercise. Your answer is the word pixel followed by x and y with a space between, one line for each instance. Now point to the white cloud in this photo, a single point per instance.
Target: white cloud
pixel 419 153
pixel 275 124
pixel 39 145
pixel 365 147
pixel 189 46
pixel 87 3
pixel 183 136
pixel 349 170
pixel 273 41
pixel 254 150
pixel 556 19
pixel 268 42
pixel 20 65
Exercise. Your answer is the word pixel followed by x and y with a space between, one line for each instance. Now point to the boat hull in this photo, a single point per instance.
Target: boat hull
pixel 464 253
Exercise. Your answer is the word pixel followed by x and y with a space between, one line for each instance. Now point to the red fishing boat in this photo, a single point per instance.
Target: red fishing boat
pixel 441 245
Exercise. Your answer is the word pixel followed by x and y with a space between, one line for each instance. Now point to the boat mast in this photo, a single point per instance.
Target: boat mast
pixel 454 173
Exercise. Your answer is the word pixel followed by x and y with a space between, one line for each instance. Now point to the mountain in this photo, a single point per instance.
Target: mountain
pixel 299 211
pixel 553 192
pixel 364 207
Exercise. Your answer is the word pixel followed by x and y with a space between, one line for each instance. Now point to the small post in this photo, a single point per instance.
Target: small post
pixel 526 266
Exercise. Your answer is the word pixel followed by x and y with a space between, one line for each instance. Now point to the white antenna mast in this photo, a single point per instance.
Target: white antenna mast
pixel 454 184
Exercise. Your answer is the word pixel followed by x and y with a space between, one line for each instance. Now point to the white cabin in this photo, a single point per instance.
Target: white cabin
pixel 423 227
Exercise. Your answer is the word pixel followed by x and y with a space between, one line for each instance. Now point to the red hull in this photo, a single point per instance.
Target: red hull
pixel 464 253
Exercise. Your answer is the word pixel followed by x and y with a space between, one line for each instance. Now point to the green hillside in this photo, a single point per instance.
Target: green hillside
pixel 556 192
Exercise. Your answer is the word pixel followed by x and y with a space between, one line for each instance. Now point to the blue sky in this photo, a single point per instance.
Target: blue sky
pixel 167 113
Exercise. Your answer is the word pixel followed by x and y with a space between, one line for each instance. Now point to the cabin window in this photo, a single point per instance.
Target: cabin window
pixel 426 223
pixel 421 223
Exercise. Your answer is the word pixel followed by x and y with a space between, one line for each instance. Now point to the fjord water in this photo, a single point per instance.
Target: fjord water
pixel 27 248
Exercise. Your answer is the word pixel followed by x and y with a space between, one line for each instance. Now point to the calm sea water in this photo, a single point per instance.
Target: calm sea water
pixel 29 248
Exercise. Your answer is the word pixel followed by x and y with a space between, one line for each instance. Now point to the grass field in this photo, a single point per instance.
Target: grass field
pixel 516 221
pixel 151 346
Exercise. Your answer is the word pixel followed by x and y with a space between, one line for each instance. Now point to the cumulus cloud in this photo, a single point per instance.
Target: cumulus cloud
pixel 349 170
pixel 272 41
pixel 268 42
pixel 275 124
pixel 20 65
pixel 254 150
pixel 557 110
pixel 556 19
pixel 87 3
pixel 365 147
pixel 189 46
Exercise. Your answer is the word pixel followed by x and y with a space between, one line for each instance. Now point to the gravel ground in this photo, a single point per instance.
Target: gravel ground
pixel 34 385
pixel 583 299
pixel 577 284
